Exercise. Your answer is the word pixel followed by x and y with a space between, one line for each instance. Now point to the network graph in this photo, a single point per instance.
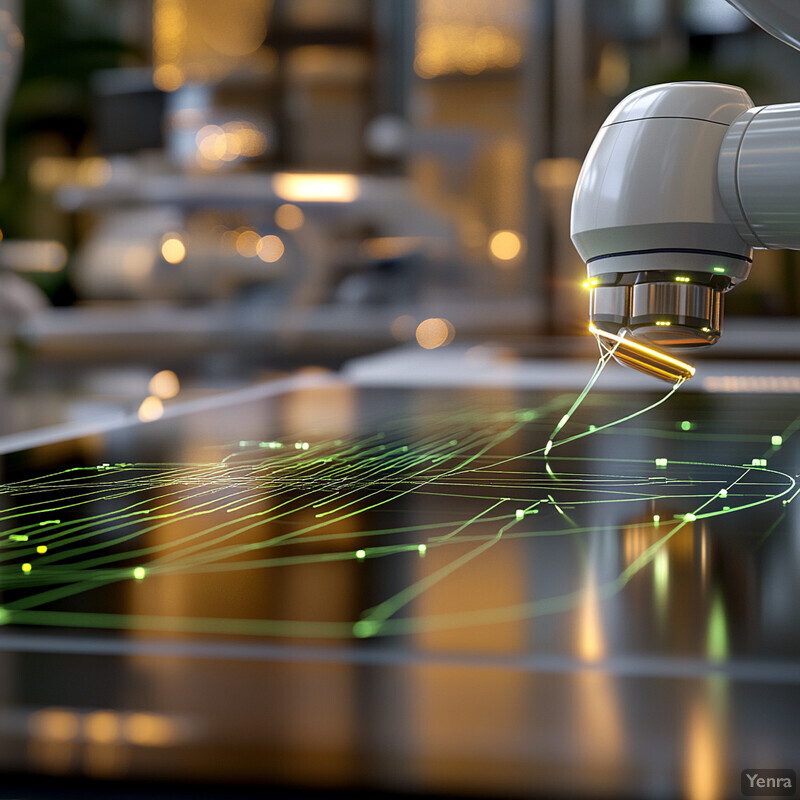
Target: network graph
pixel 432 493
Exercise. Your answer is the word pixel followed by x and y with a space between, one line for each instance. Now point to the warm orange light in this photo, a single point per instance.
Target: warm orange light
pixel 289 217
pixel 434 332
pixel 54 724
pixel 173 249
pixel 247 243
pixel 168 77
pixel 51 172
pixel 454 36
pixel 164 384
pixel 170 33
pixel 269 248
pixel 319 188
pixel 102 727
pixel 505 245
pixel 244 138
pixel 149 730
pixel 151 409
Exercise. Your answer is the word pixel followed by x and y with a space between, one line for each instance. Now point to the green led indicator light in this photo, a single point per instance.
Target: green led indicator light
pixel 520 513
pixel 139 573
pixel 17 537
pixel 361 554
pixel 661 463
pixel 777 441
pixel 719 269
pixel 723 493
pixel 686 425
pixel 50 522
pixel 689 517
pixel 592 429
pixel 656 518
pixel 422 549
pixel 759 462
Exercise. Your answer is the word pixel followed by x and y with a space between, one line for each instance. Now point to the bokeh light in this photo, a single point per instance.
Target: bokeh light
pixel 172 248
pixel 505 245
pixel 434 332
pixel 151 409
pixel 164 384
pixel 289 217
pixel 247 243
pixel 269 248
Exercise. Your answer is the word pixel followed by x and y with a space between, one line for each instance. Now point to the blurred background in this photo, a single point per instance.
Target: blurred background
pixel 233 190
pixel 199 196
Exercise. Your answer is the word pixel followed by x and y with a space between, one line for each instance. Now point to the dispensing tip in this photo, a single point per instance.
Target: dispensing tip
pixel 643 357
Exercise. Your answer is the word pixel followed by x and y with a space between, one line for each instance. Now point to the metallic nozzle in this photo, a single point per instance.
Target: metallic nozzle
pixel 643 357
pixel 665 308
pixel 676 314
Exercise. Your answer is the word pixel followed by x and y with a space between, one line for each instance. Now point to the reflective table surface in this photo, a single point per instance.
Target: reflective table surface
pixel 396 590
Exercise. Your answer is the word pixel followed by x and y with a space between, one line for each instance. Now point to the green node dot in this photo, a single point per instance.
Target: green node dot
pixel 365 628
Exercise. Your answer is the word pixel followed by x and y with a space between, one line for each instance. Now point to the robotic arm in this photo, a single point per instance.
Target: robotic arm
pixel 681 182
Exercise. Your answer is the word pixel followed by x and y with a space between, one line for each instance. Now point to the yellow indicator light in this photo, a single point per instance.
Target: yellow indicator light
pixel 26 568
pixel 663 323
pixel 645 358
pixel 682 279
pixel 139 573
pixel 41 549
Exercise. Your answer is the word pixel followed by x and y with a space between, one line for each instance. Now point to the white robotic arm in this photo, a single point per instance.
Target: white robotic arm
pixel 681 182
